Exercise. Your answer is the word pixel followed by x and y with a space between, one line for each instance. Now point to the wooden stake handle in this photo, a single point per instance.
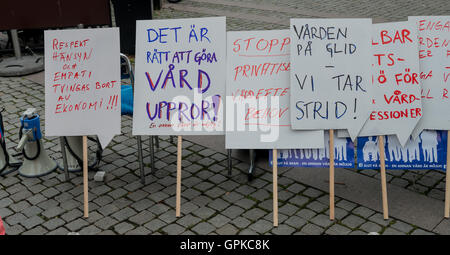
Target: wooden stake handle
pixel 85 177
pixel 383 177
pixel 331 174
pixel 178 195
pixel 447 180
pixel 275 187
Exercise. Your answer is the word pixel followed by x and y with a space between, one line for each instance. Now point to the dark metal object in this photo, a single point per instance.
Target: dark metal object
pixel 53 13
pixel 126 13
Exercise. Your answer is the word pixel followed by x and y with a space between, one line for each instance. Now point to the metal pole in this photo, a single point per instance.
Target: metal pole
pixel 230 163
pixel 15 42
pixel 141 161
pixel 62 142
pixel 152 154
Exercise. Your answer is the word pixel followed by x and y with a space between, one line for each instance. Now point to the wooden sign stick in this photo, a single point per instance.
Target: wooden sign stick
pixel 275 187
pixel 447 180
pixel 331 174
pixel 383 177
pixel 85 177
pixel 178 196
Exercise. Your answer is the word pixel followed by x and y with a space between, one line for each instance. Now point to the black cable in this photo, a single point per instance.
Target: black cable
pixel 79 160
pixel 13 166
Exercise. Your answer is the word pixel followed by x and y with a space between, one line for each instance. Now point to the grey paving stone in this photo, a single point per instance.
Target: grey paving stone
pixel 306 214
pixel 402 226
pixel 188 221
pixel 337 229
pixel 15 219
pixel 168 216
pixel 241 222
pixel 158 196
pixel 261 226
pixel 173 229
pixel 35 231
pixel 157 209
pixel 285 195
pixel 378 218
pixel 346 205
pixel 218 204
pixel 227 229
pixel 5 212
pixel 90 230
pixel 421 232
pixel 311 192
pixel 232 197
pixel 138 231
pixel 17 207
pixel 247 232
pixel 363 212
pixel 123 227
pixel 295 222
pixel 288 209
pixel 283 230
pixel 76 225
pixel 124 214
pixel 311 229
pixel 142 217
pixel 245 203
pixel 53 212
pixel 36 199
pixel 253 214
pixel 142 204
pixel 392 231
pixel 155 225
pixel 353 221
pixel 322 220
pixel 358 233
pixel 370 227
pixel 108 209
pixel 219 220
pixel 188 207
pixel 203 228
pixel 204 212
pixel 317 206
pixel 14 230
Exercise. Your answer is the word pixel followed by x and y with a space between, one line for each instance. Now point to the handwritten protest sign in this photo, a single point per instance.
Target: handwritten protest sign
pixel 344 151
pixel 258 117
pixel 427 151
pixel 82 83
pixel 434 59
pixel 396 83
pixel 330 77
pixel 180 77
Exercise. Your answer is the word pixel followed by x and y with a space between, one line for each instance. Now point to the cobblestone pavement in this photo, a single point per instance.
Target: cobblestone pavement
pixel 212 201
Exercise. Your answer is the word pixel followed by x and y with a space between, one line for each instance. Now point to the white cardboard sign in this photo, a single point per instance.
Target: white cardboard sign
pixel 434 59
pixel 258 69
pixel 180 77
pixel 82 83
pixel 396 83
pixel 331 75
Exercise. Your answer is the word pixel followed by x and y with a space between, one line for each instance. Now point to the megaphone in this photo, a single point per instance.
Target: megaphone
pixel 6 162
pixel 73 146
pixel 36 160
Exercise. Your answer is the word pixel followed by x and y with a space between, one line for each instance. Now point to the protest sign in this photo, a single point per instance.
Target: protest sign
pixel 434 56
pixel 180 77
pixel 427 151
pixel 396 84
pixel 82 83
pixel 257 115
pixel 344 152
pixel 331 73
